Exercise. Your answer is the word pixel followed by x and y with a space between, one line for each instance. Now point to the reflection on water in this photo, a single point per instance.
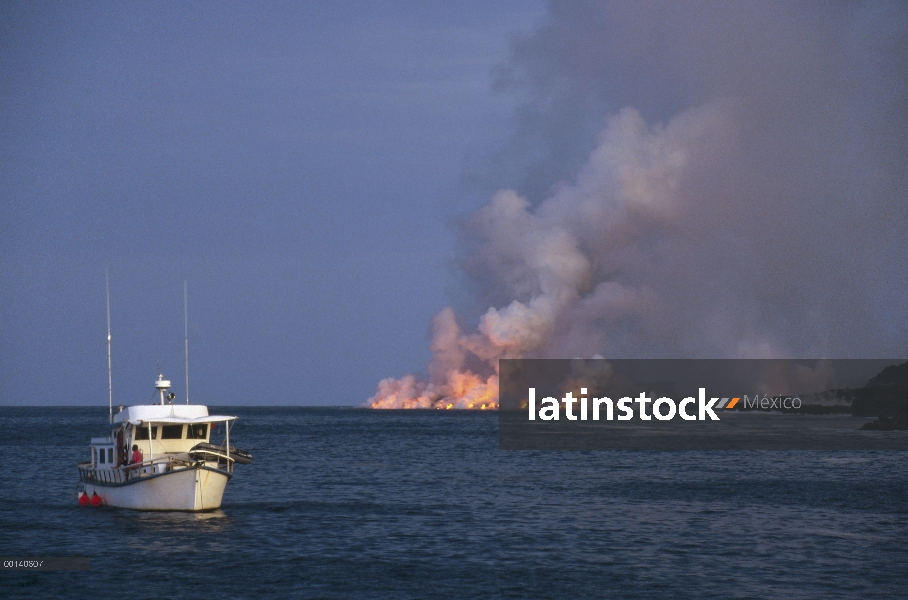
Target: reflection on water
pixel 212 519
pixel 169 533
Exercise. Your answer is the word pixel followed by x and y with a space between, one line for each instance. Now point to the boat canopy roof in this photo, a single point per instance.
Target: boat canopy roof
pixel 168 413
pixel 211 419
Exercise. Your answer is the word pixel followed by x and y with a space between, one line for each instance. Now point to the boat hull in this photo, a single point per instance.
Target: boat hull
pixel 190 489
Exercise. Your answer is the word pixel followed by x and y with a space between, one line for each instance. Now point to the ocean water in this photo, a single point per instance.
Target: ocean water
pixel 352 503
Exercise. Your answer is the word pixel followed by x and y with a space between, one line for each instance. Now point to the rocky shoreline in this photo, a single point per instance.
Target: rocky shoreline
pixel 885 397
pixel 897 423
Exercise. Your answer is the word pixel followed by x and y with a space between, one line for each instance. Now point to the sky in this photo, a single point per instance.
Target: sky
pixel 357 191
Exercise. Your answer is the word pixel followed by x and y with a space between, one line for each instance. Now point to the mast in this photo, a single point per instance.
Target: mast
pixel 109 375
pixel 186 332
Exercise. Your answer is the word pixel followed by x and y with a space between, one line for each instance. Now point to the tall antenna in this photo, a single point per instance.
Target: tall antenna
pixel 186 332
pixel 109 375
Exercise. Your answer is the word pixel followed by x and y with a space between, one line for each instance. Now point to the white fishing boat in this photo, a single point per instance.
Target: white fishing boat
pixel 180 469
pixel 160 456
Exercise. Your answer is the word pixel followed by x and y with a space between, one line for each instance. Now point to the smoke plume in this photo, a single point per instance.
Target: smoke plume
pixel 742 194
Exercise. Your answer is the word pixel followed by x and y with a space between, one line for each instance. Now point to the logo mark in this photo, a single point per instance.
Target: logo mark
pixel 722 403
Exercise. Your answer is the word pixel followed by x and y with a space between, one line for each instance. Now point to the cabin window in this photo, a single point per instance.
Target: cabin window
pixel 101 456
pixel 142 433
pixel 172 432
pixel 110 456
pixel 198 431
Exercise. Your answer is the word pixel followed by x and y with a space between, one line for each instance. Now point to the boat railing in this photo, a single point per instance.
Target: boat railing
pixel 223 460
pixel 124 473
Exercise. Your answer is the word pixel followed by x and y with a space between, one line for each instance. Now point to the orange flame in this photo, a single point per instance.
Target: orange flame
pixel 462 390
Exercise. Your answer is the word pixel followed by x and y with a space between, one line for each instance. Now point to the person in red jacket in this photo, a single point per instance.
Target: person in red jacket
pixel 136 455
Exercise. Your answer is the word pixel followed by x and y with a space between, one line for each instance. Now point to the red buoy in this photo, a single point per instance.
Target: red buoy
pixel 95 499
pixel 83 499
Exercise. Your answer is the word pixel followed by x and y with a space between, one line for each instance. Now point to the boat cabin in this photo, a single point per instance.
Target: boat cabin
pixel 157 430
pixel 166 429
